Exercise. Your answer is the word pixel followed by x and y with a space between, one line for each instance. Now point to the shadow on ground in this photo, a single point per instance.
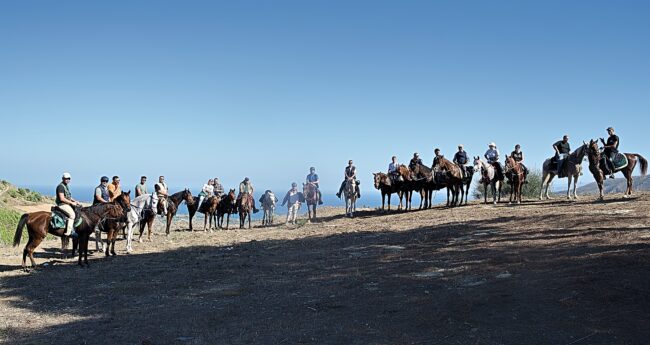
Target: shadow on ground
pixel 464 283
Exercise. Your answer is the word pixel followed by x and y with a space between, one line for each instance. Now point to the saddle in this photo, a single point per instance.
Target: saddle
pixel 58 218
pixel 617 163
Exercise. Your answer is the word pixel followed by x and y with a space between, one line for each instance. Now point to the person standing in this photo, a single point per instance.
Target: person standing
pixel 114 189
pixel 101 192
pixel 141 188
pixel 65 203
pixel 292 200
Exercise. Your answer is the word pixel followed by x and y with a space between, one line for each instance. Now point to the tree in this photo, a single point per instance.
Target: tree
pixel 530 190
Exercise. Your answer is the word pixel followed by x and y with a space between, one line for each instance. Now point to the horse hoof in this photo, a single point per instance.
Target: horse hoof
pixel 139 240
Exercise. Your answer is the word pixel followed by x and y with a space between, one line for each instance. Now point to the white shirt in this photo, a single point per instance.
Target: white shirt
pixel 208 189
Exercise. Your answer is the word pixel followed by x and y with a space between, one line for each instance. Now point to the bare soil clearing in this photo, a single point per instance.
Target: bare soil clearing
pixel 554 272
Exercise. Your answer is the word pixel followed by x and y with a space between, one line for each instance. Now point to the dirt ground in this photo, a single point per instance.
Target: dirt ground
pixel 554 272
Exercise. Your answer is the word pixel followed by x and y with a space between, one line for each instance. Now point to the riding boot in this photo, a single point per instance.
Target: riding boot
pixel 320 198
pixel 338 195
pixel 255 209
pixel 358 192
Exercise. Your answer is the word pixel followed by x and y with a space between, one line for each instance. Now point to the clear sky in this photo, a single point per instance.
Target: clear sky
pixel 265 89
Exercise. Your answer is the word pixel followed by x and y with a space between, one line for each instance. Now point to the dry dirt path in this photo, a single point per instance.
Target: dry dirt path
pixel 540 273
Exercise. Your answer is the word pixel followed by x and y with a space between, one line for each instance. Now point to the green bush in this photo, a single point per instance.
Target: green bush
pixel 530 190
pixel 8 222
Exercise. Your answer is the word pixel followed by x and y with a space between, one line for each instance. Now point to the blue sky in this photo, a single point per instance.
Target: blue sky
pixel 265 89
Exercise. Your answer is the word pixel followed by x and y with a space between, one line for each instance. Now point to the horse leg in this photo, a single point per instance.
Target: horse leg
pixel 29 250
pixel 485 192
pixel 109 234
pixel 568 190
pixel 113 245
pixel 249 220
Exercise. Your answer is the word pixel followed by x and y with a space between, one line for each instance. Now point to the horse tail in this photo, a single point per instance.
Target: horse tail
pixel 19 229
pixel 644 164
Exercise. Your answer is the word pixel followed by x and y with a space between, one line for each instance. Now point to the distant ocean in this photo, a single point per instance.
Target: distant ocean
pixel 369 198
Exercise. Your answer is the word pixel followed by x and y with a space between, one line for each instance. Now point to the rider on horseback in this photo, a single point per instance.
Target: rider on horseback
pixel 312 178
pixel 141 188
pixel 65 202
pixel 610 150
pixel 492 156
pixel 562 149
pixel 114 189
pixel 218 188
pixel 415 161
pixel 206 191
pixel 101 192
pixel 246 188
pixel 393 170
pixel 460 159
pixel 162 192
pixel 518 156
pixel 350 174
pixel 436 157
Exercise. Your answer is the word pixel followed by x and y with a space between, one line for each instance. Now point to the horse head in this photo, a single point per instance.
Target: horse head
pixel 381 178
pixel 124 200
pixel 187 196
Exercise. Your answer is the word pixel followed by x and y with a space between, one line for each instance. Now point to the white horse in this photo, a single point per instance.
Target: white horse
pixel 572 169
pixel 140 205
pixel 268 205
pixel 350 192
pixel 488 177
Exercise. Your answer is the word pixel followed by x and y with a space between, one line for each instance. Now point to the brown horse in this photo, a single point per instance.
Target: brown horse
pixel 113 225
pixel 244 207
pixel 209 208
pixel 412 184
pixel 175 200
pixel 454 179
pixel 228 205
pixel 310 193
pixel 387 187
pixel 516 177
pixel 38 226
pixel 595 162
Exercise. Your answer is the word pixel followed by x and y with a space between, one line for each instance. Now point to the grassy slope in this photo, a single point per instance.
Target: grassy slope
pixel 9 216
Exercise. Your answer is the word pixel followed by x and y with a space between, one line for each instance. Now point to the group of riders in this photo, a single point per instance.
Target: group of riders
pixel 106 192
pixel 562 150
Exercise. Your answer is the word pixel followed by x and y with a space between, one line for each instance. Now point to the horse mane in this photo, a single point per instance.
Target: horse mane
pixel 97 210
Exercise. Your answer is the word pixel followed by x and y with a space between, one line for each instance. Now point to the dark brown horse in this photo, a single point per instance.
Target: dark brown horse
pixel 422 178
pixel 172 206
pixel 386 186
pixel 209 208
pixel 227 206
pixel 244 207
pixel 412 184
pixel 516 178
pixel 595 162
pixel 310 193
pixel 38 226
pixel 111 226
pixel 454 179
